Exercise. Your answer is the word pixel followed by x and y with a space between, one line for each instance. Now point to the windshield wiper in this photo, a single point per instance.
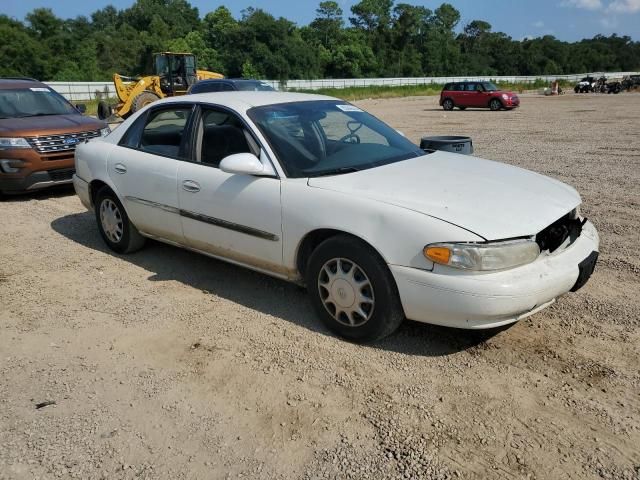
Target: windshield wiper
pixel 335 171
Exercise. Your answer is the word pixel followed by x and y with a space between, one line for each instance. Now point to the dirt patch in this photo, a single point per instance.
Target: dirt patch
pixel 166 364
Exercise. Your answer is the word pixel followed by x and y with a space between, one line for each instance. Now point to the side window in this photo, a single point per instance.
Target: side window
pixel 221 134
pixel 447 87
pixel 131 138
pixel 458 87
pixel 165 132
pixel 471 87
pixel 226 87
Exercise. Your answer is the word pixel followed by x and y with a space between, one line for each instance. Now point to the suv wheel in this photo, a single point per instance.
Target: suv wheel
pixel 447 104
pixel 115 228
pixel 353 290
pixel 495 105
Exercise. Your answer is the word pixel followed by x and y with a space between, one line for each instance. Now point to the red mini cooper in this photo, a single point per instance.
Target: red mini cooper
pixel 476 95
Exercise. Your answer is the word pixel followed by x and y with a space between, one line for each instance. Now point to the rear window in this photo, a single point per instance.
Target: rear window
pixel 447 87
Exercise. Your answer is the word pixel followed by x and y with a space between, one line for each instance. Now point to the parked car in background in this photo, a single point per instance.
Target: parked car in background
pixel 230 85
pixel 477 95
pixel 39 131
pixel 314 190
pixel 586 85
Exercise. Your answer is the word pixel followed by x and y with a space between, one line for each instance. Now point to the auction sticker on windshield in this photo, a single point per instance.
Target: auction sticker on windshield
pixel 348 108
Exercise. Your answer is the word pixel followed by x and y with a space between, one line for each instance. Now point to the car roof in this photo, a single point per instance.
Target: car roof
pixel 243 101
pixel 19 82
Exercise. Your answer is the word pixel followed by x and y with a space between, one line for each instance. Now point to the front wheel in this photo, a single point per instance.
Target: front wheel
pixel 447 104
pixel 353 290
pixel 115 227
pixel 142 100
pixel 495 105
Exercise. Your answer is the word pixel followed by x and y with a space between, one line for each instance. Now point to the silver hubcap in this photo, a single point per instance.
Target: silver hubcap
pixel 111 220
pixel 346 292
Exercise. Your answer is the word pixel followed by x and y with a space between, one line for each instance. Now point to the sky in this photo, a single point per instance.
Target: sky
pixel 568 20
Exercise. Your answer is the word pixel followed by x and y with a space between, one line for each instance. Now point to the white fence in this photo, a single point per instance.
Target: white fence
pixel 82 91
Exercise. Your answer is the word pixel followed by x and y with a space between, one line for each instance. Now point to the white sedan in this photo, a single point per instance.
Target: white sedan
pixel 316 191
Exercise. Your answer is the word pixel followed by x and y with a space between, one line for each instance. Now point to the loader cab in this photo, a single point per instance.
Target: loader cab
pixel 177 71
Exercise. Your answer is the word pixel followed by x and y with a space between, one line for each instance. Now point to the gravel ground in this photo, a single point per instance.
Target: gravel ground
pixel 166 364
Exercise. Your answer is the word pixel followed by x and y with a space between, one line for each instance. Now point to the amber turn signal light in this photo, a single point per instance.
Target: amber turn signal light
pixel 437 254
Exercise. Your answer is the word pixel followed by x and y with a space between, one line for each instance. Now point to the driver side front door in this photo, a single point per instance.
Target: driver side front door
pixel 236 217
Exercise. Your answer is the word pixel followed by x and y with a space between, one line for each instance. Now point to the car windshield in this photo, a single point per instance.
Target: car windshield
pixel 329 137
pixel 254 86
pixel 490 87
pixel 32 102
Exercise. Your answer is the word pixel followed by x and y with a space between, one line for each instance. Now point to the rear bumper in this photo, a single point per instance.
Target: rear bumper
pixel 487 300
pixel 82 190
pixel 512 103
pixel 36 180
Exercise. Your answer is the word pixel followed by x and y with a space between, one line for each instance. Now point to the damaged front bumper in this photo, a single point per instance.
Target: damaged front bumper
pixel 476 300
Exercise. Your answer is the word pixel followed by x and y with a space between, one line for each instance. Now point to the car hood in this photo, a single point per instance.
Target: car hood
pixel 48 124
pixel 490 199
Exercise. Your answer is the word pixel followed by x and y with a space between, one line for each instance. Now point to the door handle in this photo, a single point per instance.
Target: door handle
pixel 120 168
pixel 190 186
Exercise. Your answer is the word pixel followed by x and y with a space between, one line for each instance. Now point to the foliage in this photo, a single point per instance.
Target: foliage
pixel 381 39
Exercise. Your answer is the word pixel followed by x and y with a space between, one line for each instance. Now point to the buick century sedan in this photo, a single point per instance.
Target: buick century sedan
pixel 314 190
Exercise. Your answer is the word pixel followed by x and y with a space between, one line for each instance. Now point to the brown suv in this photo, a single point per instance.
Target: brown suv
pixel 39 130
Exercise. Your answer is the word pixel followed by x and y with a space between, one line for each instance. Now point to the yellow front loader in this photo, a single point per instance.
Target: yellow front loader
pixel 174 73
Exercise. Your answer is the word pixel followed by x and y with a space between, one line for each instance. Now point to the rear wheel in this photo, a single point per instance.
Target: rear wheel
pixel 114 225
pixel 447 104
pixel 142 100
pixel 353 290
pixel 495 105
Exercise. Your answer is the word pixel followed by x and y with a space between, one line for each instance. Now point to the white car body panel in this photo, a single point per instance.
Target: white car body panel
pixel 507 201
pixel 147 187
pixel 242 201
pixel 261 221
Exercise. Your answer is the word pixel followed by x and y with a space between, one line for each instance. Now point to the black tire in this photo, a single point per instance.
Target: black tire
pixel 448 104
pixel 104 110
pixel 577 89
pixel 495 105
pixel 130 239
pixel 359 261
pixel 462 108
pixel 142 100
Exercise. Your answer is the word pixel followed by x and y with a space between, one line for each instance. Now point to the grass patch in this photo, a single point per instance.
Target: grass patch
pixel 375 91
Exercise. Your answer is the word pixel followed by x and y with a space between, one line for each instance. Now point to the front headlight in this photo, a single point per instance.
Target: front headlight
pixel 8 143
pixel 105 131
pixel 505 96
pixel 483 256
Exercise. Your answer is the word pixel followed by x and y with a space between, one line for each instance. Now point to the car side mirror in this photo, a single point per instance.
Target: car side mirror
pixel 243 164
pixel 81 107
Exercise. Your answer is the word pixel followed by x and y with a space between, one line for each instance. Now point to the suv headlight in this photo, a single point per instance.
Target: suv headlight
pixel 105 131
pixel 7 143
pixel 483 256
pixel 505 96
